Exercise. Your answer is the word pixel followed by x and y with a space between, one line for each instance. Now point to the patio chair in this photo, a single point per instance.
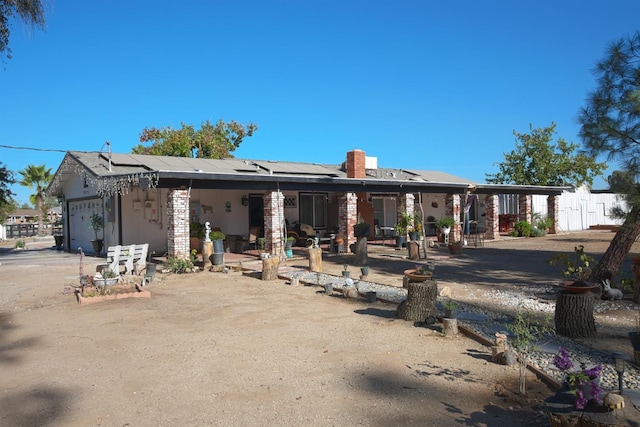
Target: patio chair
pixel 253 236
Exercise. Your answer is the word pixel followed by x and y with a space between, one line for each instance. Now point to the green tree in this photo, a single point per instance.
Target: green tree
pixel 37 178
pixel 209 142
pixel 610 126
pixel 537 161
pixel 7 204
pixel 30 12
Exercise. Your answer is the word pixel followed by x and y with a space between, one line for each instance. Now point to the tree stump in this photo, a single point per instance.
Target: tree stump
pixel 449 327
pixel 361 252
pixel 315 259
pixel 270 268
pixel 207 251
pixel 420 302
pixel 414 250
pixel 574 315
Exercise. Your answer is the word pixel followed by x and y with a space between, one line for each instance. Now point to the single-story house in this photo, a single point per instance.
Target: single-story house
pixel 154 199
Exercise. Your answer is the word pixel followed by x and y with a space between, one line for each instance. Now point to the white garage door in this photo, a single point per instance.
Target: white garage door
pixel 79 219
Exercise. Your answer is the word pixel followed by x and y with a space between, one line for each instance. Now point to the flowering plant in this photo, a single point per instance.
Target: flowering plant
pixel 584 383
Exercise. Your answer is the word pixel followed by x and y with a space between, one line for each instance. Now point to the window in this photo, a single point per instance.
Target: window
pixel 313 209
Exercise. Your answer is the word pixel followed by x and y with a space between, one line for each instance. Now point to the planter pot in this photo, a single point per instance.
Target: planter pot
pixel 413 236
pixel 415 277
pixel 288 253
pixel 217 258
pixel 195 243
pixel 345 274
pixel 59 240
pixel 364 270
pixel 361 230
pixel 450 313
pixel 105 282
pixel 218 246
pixel 574 287
pixel 371 296
pixel 97 246
pixel 400 241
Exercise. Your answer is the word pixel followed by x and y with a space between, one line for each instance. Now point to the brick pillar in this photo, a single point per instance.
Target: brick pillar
pixel 347 216
pixel 406 204
pixel 274 222
pixel 178 223
pixel 553 213
pixel 453 209
pixel 492 208
pixel 525 203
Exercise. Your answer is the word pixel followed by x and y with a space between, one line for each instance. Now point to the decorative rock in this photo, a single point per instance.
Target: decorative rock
pixel 613 401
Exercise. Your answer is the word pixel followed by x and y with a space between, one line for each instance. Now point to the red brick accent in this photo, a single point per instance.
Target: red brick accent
pixel 525 203
pixel 356 166
pixel 347 216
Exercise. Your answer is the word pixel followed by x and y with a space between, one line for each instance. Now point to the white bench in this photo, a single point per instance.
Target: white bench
pixel 132 257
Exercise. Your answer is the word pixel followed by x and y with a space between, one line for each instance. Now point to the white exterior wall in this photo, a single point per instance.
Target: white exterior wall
pixel 580 210
pixel 144 216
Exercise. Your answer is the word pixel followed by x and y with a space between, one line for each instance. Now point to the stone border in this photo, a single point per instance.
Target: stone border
pixel 140 293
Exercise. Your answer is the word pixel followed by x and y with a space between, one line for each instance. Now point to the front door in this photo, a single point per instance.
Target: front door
pixel 256 212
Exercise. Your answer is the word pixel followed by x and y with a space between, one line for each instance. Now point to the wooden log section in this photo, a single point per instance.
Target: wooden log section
pixel 420 302
pixel 449 327
pixel 361 258
pixel 270 268
pixel 574 315
pixel 315 260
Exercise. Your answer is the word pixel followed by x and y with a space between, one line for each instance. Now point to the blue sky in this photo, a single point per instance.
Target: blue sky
pixel 418 84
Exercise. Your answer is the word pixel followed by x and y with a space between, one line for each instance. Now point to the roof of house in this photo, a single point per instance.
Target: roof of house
pixel 110 174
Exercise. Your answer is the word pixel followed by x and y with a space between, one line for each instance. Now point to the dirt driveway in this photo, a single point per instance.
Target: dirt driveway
pixel 214 349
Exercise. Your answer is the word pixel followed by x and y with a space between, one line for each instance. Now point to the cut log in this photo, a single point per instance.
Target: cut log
pixel 574 315
pixel 270 268
pixel 315 260
pixel 361 258
pixel 420 302
pixel 449 327
pixel 414 250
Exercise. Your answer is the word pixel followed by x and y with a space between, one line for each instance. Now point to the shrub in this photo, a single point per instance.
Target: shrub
pixel 522 229
pixel 179 265
pixel 217 235
pixel 19 244
pixel 538 232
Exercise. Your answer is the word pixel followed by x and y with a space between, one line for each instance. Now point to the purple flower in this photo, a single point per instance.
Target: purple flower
pixel 580 401
pixel 562 360
pixel 593 372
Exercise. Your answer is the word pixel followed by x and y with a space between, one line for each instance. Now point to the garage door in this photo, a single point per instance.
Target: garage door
pixel 79 219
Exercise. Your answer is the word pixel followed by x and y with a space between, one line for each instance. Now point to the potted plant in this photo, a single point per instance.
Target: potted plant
pixel 58 235
pixel 577 269
pixel 96 222
pixel 455 248
pixel 217 237
pixel 361 228
pixel 288 246
pixel 415 228
pixel 444 224
pixel 449 307
pixel 262 242
pixel 196 234
pixel 402 227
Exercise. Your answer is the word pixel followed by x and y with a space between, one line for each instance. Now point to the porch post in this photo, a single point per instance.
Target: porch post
pixel 453 209
pixel 274 222
pixel 553 203
pixel 492 208
pixel 178 223
pixel 347 216
pixel 525 204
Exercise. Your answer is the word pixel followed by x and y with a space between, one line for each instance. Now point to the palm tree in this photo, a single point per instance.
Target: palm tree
pixel 38 178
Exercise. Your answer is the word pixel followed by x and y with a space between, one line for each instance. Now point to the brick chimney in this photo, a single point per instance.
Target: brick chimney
pixel 356 164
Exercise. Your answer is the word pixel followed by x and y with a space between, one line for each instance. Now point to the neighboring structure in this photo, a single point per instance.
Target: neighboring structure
pixel 153 199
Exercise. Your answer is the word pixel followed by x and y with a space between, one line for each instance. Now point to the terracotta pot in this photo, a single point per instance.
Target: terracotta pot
pixel 414 277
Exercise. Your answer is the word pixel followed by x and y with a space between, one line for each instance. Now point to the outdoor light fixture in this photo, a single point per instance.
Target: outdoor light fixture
pixel 619 366
pixel 245 200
